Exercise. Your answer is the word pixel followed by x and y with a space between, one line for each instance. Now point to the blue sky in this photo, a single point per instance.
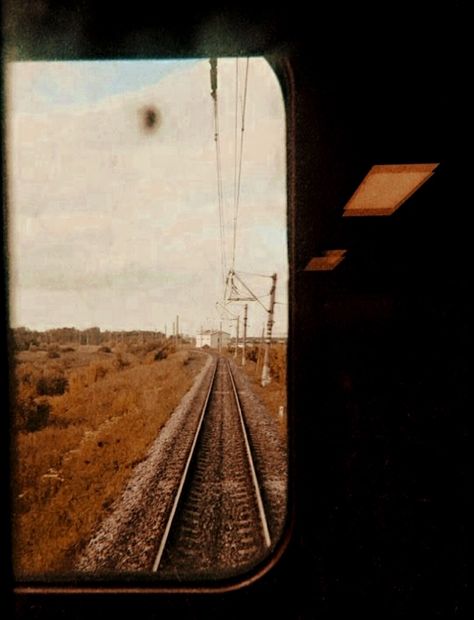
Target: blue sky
pixel 87 82
pixel 117 227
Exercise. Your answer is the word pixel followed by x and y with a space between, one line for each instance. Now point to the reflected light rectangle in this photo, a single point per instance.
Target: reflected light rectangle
pixel 386 187
pixel 327 262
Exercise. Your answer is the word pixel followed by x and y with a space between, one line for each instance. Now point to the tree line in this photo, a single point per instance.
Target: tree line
pixel 23 338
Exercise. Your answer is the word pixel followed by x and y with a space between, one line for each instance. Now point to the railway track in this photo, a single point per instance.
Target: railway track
pixel 217 525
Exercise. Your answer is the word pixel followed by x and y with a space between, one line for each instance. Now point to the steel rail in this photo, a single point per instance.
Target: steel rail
pixel 174 507
pixel 258 495
pixel 184 475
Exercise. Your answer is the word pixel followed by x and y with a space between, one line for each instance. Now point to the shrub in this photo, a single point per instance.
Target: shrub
pixel 164 351
pixel 142 349
pixel 98 371
pixel 32 415
pixel 53 354
pixel 51 385
pixel 252 354
pixel 121 362
pixel 105 349
pixel 278 363
pixel 123 413
pixel 161 354
pixel 150 346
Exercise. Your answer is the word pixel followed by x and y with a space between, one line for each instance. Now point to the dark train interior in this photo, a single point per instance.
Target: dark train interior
pixel 379 345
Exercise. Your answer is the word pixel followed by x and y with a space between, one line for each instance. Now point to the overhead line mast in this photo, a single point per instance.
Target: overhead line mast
pixel 230 277
pixel 236 296
pixel 266 378
pixel 220 196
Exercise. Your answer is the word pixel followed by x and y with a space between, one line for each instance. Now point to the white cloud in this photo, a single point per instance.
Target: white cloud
pixel 101 208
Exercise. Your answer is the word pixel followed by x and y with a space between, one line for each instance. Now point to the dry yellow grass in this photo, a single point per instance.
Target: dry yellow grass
pixel 68 474
pixel 274 395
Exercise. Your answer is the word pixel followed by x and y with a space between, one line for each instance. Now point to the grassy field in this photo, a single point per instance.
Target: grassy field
pixel 84 417
pixel 273 395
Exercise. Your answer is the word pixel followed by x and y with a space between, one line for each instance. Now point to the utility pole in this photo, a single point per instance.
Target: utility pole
pixel 244 343
pixel 266 360
pixel 260 347
pixel 219 338
pixel 237 336
pixel 177 330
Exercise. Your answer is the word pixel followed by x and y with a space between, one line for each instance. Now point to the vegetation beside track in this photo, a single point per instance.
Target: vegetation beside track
pixel 83 418
pixel 273 395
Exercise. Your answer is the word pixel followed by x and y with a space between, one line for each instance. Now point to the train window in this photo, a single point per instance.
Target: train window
pixel 148 304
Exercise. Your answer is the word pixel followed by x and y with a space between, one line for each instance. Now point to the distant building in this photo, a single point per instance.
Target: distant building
pixel 210 338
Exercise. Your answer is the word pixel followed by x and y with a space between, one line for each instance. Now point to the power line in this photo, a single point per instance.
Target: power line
pixel 252 297
pixel 220 197
pixel 235 134
pixel 221 202
pixel 250 273
pixel 239 175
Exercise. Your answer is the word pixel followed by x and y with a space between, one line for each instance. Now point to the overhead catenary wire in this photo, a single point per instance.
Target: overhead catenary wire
pixel 251 273
pixel 220 197
pixel 235 288
pixel 231 280
pixel 225 309
pixel 252 297
pixel 238 169
pixel 236 114
pixel 221 208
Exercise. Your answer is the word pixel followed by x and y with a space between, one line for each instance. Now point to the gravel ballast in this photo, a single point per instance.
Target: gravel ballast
pixel 126 541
